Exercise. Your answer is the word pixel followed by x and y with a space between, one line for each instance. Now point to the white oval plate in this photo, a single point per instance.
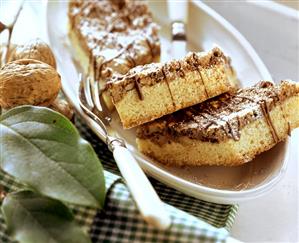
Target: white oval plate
pixel 205 28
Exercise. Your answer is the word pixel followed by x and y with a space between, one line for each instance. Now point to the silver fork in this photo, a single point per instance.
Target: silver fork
pixel 149 204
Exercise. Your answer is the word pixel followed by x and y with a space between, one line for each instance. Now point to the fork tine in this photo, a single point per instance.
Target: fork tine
pixel 84 98
pixel 95 94
pixel 87 93
pixel 102 102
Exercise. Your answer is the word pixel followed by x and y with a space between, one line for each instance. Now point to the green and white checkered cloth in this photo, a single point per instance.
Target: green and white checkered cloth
pixel 193 220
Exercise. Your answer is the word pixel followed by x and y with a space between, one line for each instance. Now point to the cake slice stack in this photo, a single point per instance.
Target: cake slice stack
pixel 191 111
pixel 230 129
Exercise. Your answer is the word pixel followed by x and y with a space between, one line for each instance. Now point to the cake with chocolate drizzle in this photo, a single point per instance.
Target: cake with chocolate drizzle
pixel 112 36
pixel 151 91
pixel 230 129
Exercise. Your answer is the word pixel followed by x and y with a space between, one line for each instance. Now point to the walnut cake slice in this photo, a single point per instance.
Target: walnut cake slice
pixel 229 130
pixel 148 92
pixel 112 36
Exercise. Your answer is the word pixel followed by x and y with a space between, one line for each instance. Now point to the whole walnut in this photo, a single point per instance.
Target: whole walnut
pixel 34 49
pixel 28 82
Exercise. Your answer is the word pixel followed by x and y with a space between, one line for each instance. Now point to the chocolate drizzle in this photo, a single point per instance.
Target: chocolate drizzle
pixel 195 58
pixel 149 46
pixel 167 83
pixel 138 89
pixel 289 129
pixel 223 117
pixel 265 111
pixel 180 70
pixel 95 69
pixel 131 59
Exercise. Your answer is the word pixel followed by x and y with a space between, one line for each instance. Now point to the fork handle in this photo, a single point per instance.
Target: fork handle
pixel 149 204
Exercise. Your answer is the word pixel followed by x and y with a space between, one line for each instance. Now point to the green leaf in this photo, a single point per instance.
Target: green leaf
pixel 34 218
pixel 43 149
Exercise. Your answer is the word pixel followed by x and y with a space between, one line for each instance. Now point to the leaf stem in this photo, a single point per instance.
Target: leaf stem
pixel 10 28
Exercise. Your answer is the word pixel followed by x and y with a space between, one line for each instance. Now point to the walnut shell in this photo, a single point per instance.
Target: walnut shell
pixel 28 82
pixel 34 49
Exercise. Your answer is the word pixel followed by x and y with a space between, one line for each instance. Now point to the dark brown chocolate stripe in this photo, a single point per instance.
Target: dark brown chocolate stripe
pixel 130 58
pixel 95 69
pixel 197 69
pixel 180 71
pixel 167 83
pixel 149 46
pixel 289 129
pixel 265 111
pixel 138 88
pixel 264 108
